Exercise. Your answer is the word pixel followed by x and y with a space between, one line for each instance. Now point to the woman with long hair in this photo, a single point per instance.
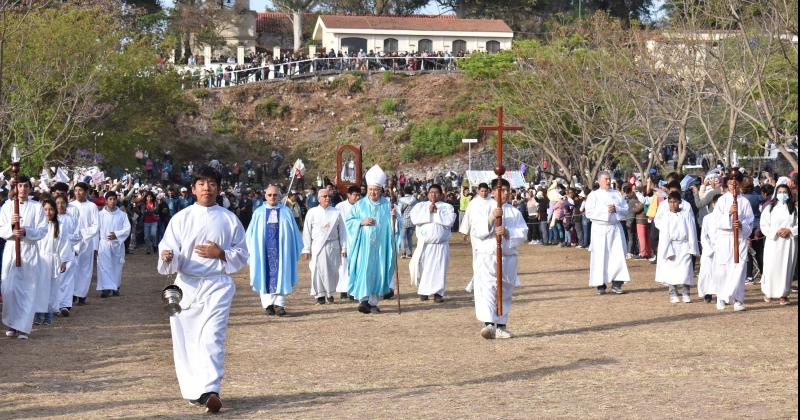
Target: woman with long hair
pixel 779 226
pixel 54 251
pixel 150 213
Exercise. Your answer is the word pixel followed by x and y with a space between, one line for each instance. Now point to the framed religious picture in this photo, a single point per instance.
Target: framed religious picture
pixel 348 167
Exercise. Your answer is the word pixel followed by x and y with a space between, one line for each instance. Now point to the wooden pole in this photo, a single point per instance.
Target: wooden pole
pixel 18 248
pixel 499 170
pixel 735 218
pixel 394 251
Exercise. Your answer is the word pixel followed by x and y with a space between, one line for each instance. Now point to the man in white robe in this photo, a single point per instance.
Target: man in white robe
pixel 464 227
pixel 730 276
pixel 344 208
pixel 676 246
pixel 513 232
pixel 114 228
pixel 324 246
pixel 68 216
pixel 87 226
pixel 706 284
pixel 433 221
pixel 606 207
pixel 204 244
pixel 19 283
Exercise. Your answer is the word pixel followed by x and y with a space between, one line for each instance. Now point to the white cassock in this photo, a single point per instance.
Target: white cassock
pixel 87 226
pixel 608 247
pixel 729 276
pixel 344 209
pixel 677 239
pixel 780 255
pixel 111 253
pixel 52 252
pixel 465 228
pixel 198 331
pixel 484 264
pixel 428 266
pixel 19 283
pixel 324 237
pixel 66 280
pixel 706 284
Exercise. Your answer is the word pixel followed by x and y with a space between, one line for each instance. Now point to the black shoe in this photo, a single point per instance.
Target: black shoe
pixel 280 311
pixel 64 312
pixel 343 296
pixel 74 299
pixel 352 299
pixel 438 298
pixel 389 295
pixel 364 307
pixel 423 298
pixel 601 290
pixel 617 290
pixel 81 301
pixel 330 299
pixel 321 300
pixel 374 309
pixel 105 293
pixel 270 310
pixel 115 292
pixel 707 298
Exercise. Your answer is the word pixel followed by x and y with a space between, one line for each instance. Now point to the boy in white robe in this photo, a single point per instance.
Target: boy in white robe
pixel 19 283
pixel 113 228
pixel 779 225
pixel 484 265
pixel 324 246
pixel 706 286
pixel 728 275
pixel 464 226
pixel 433 221
pixel 204 244
pixel 677 243
pixel 606 207
pixel 344 208
pixel 87 226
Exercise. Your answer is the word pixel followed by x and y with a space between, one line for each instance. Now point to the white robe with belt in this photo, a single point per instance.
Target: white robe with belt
pixel 728 275
pixel 677 240
pixel 484 264
pixel 428 266
pixel 324 238
pixel 19 283
pixel 111 253
pixel 706 283
pixel 344 209
pixel 608 247
pixel 198 331
pixel 780 254
pixel 52 252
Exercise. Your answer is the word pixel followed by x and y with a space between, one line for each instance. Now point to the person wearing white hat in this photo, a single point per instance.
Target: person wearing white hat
pixel 371 257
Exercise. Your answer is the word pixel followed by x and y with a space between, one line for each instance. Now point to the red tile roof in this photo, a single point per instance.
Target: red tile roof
pixel 415 23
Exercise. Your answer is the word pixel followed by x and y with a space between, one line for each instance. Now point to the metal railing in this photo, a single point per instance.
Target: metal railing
pixel 211 77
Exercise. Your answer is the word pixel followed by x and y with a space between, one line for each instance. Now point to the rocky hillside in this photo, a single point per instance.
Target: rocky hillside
pixel 307 118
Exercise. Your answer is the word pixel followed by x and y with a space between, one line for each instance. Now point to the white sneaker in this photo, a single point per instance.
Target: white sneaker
pixel 674 299
pixel 686 299
pixel 738 306
pixel 628 256
pixel 22 336
pixel 11 333
pixel 720 305
pixel 652 259
pixel 503 333
pixel 488 332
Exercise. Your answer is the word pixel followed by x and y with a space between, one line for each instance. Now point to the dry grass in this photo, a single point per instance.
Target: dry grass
pixel 577 355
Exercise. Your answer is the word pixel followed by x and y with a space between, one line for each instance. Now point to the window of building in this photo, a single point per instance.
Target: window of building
pixel 425 45
pixel 459 45
pixel 389 45
pixel 492 46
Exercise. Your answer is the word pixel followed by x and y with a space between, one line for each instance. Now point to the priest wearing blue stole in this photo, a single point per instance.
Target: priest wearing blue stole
pixel 371 260
pixel 274 242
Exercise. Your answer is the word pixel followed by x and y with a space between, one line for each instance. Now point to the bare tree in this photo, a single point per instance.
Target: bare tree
pixel 296 10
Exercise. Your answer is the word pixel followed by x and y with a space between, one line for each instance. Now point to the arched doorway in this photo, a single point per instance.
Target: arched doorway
pixel 492 46
pixel 389 45
pixel 459 46
pixel 354 44
pixel 425 45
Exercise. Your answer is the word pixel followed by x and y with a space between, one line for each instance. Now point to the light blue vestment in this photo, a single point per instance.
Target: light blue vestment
pixel 370 260
pixel 290 244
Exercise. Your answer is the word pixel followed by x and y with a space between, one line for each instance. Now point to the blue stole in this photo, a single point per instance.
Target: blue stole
pixel 271 252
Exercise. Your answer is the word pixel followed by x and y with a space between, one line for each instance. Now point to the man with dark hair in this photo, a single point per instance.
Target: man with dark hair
pixel 88 228
pixel 406 203
pixel 484 234
pixel 204 244
pixel 113 230
pixel 344 208
pixel 433 220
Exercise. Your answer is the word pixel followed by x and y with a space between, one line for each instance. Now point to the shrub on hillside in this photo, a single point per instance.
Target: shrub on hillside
pixel 271 109
pixel 434 138
pixel 389 106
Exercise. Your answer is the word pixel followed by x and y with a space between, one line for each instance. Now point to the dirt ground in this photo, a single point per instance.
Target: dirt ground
pixel 576 355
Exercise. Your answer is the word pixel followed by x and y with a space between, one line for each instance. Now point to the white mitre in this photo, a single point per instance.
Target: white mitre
pixel 376 176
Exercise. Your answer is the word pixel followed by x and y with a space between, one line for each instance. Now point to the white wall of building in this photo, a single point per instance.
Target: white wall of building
pixel 409 40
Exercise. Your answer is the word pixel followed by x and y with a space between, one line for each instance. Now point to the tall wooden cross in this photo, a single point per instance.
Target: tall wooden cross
pixel 499 170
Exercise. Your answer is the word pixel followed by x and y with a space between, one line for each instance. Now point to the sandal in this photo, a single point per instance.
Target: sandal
pixel 784 301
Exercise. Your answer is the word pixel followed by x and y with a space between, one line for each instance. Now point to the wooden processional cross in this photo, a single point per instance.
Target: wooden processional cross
pixel 499 170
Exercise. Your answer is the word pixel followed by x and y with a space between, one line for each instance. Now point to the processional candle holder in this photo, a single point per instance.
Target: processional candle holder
pixel 15 158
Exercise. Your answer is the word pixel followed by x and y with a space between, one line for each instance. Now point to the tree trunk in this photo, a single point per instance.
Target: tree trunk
pixel 297 29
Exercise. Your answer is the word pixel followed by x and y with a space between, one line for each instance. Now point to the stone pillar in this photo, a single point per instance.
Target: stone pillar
pixel 276 53
pixel 240 54
pixel 207 55
pixel 312 50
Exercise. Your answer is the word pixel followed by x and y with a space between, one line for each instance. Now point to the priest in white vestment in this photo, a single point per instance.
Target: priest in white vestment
pixel 324 246
pixel 433 221
pixel 465 227
pixel 676 246
pixel 113 229
pixel 344 208
pixel 513 232
pixel 68 216
pixel 19 283
pixel 204 244
pixel 706 282
pixel 87 225
pixel 54 253
pixel 730 276
pixel 779 226
pixel 606 207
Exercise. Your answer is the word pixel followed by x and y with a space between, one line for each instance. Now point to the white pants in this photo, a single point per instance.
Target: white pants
pixel 268 299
